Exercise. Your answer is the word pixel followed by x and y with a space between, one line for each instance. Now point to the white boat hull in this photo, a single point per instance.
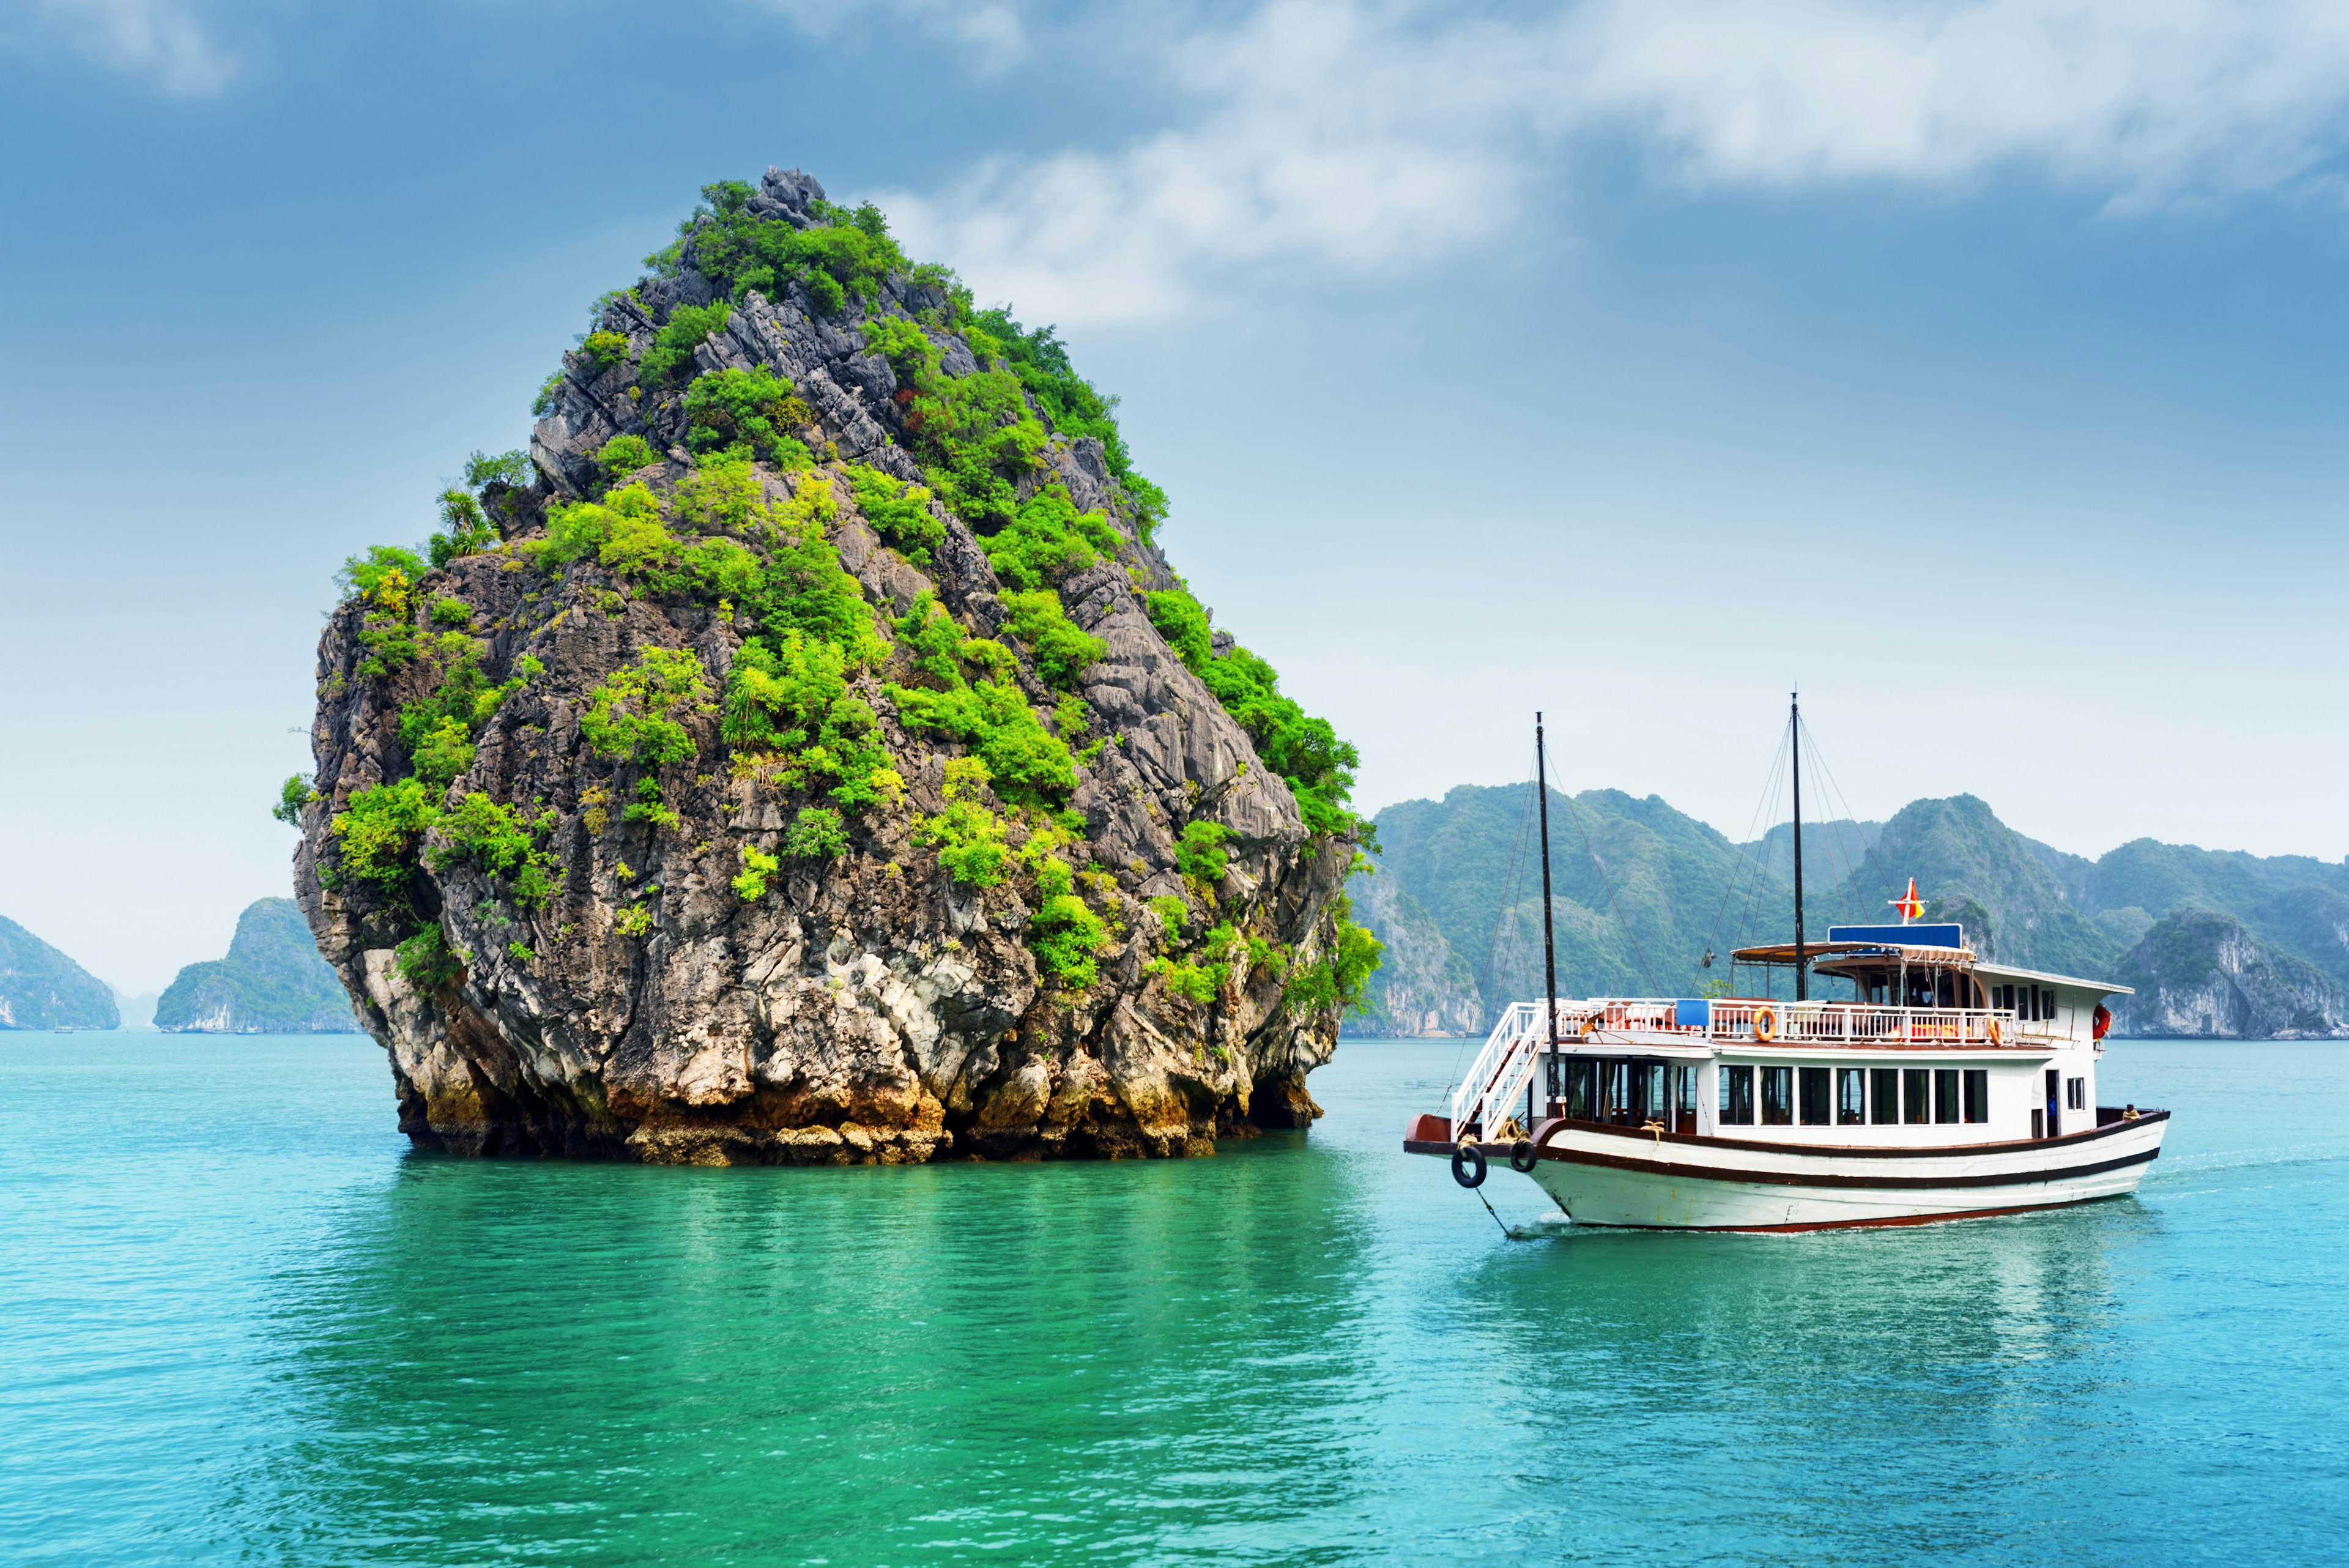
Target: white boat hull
pixel 1606 1176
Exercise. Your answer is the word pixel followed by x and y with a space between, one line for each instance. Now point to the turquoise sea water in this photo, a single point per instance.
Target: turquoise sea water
pixel 240 1323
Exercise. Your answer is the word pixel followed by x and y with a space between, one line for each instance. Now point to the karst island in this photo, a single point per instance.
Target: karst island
pixel 805 753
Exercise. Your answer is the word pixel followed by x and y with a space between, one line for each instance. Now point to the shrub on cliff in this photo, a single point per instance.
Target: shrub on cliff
pixel 687 328
pixel 753 410
pixel 1339 978
pixel 1065 935
pixel 787 701
pixel 427 961
pixel 1076 408
pixel 898 511
pixel 511 468
pixel 378 830
pixel 291 796
pixel 845 252
pixel 976 436
pixel 1062 651
pixel 505 842
pixel 1046 541
pixel 633 714
pixel 624 454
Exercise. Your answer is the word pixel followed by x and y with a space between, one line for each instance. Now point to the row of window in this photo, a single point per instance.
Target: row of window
pixel 1851 1096
pixel 2029 1003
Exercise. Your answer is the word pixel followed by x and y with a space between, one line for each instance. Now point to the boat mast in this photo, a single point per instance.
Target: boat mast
pixel 1550 946
pixel 1795 734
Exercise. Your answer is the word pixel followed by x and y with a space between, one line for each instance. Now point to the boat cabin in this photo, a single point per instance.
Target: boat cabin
pixel 1931 1045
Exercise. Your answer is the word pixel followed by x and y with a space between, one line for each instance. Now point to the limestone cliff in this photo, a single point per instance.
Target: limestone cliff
pixel 816 760
pixel 40 988
pixel 2197 972
pixel 1424 988
pixel 271 981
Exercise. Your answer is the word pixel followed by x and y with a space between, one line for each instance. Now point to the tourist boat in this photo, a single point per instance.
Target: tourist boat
pixel 1945 1087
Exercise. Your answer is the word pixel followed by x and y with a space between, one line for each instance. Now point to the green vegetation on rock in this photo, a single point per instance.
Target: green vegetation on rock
pixel 846 254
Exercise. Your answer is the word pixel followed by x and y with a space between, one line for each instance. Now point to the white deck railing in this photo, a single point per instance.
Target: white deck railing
pixel 1502 1068
pixel 1497 1081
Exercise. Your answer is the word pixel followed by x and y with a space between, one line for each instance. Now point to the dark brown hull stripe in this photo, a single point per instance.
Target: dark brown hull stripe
pixel 1834 1179
pixel 1863 1224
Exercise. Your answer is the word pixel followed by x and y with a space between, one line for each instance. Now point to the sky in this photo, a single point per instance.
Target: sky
pixel 1976 367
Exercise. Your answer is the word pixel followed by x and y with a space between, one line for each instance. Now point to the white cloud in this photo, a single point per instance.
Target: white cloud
pixel 161 42
pixel 2141 96
pixel 1368 137
pixel 1362 141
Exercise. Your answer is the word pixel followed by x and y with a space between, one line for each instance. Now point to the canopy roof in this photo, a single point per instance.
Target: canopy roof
pixel 1840 955
pixel 1897 952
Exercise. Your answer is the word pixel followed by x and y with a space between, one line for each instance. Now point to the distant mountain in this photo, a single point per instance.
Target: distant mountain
pixel 1833 852
pixel 2225 943
pixel 40 988
pixel 2200 972
pixel 138 1011
pixel 1957 848
pixel 1641 893
pixel 273 982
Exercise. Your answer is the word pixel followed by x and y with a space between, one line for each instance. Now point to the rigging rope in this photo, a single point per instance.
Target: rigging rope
pixel 1729 889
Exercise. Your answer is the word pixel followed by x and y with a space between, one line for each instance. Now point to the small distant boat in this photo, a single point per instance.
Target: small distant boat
pixel 1946 1089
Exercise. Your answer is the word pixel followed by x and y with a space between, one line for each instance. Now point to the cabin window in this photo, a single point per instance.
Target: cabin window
pixel 2047 1005
pixel 1977 1094
pixel 1652 1103
pixel 1875 988
pixel 1578 1090
pixel 1778 1097
pixel 2076 1094
pixel 1815 1083
pixel 1945 1095
pixel 1737 1097
pixel 1618 1097
pixel 1915 1086
pixel 1884 1090
pixel 1851 1096
pixel 1949 990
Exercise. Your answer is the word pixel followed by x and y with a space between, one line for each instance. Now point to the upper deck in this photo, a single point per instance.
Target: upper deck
pixel 1611 1025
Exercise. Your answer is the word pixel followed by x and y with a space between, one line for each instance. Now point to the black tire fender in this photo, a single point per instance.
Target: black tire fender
pixel 1522 1158
pixel 1468 1165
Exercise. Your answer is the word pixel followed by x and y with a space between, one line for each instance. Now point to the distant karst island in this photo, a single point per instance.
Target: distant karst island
pixel 806 753
pixel 2215 943
pixel 40 988
pixel 273 982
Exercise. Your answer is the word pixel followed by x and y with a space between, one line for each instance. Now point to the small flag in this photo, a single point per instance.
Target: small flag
pixel 1910 907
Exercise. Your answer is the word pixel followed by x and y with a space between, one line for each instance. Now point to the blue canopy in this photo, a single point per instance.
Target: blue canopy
pixel 1901 936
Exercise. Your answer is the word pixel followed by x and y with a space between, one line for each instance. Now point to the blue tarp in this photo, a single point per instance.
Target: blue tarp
pixel 1692 1015
pixel 1901 936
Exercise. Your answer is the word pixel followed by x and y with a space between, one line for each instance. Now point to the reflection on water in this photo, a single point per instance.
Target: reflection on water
pixel 272 1336
pixel 916 1358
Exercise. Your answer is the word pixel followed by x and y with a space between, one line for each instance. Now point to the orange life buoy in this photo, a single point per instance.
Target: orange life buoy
pixel 1997 1031
pixel 2103 1021
pixel 1765 1024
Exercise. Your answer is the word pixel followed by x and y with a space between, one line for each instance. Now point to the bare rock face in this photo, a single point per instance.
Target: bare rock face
pixel 866 1003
